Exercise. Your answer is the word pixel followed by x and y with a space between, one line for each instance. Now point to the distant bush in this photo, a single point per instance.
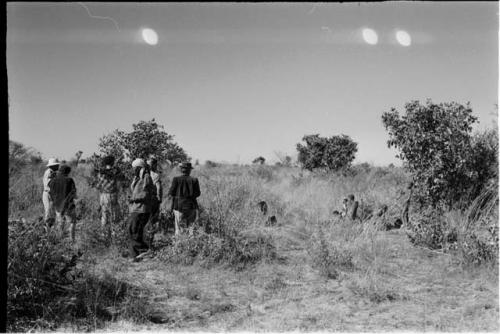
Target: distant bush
pixel 334 153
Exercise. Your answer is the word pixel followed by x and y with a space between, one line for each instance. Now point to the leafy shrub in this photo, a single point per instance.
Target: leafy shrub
pixel 430 229
pixel 328 258
pixel 334 153
pixel 48 286
pixel 448 164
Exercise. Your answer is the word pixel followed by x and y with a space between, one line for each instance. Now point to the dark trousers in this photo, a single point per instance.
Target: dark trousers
pixel 136 223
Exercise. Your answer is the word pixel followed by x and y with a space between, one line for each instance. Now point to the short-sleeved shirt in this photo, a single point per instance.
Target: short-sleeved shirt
pixel 184 191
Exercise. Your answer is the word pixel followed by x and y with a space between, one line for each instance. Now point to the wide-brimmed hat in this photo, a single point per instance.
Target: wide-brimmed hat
pixel 53 162
pixel 185 166
pixel 138 163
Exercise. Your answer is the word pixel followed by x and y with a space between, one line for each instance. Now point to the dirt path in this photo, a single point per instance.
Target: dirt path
pixel 416 290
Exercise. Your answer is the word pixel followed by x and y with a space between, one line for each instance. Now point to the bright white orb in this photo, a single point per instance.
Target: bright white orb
pixel 403 38
pixel 370 36
pixel 149 36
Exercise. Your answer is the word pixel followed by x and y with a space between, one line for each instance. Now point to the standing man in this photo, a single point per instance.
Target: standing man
pixel 49 174
pixel 140 207
pixel 184 191
pixel 157 198
pixel 108 186
pixel 63 194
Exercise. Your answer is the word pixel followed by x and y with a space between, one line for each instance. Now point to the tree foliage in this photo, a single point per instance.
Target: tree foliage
pixel 334 153
pixel 20 156
pixel 146 139
pixel 435 143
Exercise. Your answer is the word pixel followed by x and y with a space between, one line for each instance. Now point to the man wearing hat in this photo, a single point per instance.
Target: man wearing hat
pixel 108 186
pixel 63 194
pixel 184 191
pixel 49 174
pixel 143 192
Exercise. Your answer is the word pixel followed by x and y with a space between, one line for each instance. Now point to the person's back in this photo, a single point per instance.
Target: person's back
pixel 62 192
pixel 185 189
pixel 184 192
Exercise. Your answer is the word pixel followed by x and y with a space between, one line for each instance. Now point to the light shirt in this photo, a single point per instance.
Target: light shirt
pixel 47 176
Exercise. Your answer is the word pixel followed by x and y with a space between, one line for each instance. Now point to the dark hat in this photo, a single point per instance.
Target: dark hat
pixel 185 165
pixel 64 169
pixel 108 160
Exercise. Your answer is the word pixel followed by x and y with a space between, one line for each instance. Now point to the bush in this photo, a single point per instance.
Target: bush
pixel 448 164
pixel 334 153
pixel 328 258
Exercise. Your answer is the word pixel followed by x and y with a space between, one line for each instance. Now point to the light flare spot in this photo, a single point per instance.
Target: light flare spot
pixel 370 36
pixel 403 38
pixel 149 36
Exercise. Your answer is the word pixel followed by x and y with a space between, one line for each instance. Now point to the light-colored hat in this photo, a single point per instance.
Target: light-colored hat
pixel 53 162
pixel 138 163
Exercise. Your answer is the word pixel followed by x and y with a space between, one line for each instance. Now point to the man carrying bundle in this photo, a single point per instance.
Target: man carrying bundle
pixel 140 201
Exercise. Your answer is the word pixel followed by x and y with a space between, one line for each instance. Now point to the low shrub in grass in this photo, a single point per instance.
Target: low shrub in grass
pixel 232 248
pixel 48 285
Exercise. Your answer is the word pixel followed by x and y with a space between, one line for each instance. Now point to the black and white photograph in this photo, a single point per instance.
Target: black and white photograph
pixel 252 167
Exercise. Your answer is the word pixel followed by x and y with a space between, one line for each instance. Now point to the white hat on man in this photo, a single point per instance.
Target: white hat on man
pixel 52 162
pixel 138 163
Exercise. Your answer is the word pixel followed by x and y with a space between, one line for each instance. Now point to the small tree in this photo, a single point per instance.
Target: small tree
pixel 145 140
pixel 435 143
pixel 259 160
pixel 334 153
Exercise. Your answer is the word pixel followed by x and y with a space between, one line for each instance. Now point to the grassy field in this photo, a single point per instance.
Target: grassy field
pixel 309 272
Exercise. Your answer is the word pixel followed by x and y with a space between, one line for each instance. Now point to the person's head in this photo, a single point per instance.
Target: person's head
pixel 153 163
pixel 138 164
pixel 108 161
pixel 350 198
pixel 64 170
pixel 185 168
pixel 53 164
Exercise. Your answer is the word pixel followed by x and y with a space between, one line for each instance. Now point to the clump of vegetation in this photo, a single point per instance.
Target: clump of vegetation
pixel 48 282
pixel 334 153
pixel 328 258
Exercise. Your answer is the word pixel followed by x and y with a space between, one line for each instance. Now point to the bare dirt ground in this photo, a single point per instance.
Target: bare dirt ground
pixel 412 289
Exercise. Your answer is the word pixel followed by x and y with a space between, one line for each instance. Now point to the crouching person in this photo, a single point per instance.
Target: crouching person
pixel 140 207
pixel 63 194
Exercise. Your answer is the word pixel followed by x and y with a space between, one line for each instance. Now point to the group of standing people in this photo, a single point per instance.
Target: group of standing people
pixel 144 201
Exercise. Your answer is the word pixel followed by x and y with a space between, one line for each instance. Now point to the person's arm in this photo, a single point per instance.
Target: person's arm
pixel 196 188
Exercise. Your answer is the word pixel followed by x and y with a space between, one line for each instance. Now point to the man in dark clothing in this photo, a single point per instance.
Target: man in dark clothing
pixel 63 194
pixel 184 191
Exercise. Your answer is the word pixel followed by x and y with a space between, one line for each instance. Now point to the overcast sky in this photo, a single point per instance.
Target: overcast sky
pixel 235 81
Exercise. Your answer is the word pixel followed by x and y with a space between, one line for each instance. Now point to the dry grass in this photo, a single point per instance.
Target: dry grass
pixel 326 275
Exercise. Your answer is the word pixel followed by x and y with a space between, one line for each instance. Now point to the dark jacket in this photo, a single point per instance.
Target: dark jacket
pixel 63 192
pixel 184 191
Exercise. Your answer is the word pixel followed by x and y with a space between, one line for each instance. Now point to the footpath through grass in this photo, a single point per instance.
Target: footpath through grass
pixel 408 288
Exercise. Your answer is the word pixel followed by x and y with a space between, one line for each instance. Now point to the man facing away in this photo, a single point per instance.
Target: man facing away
pixel 184 191
pixel 63 194
pixel 140 207
pixel 49 174
pixel 108 200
